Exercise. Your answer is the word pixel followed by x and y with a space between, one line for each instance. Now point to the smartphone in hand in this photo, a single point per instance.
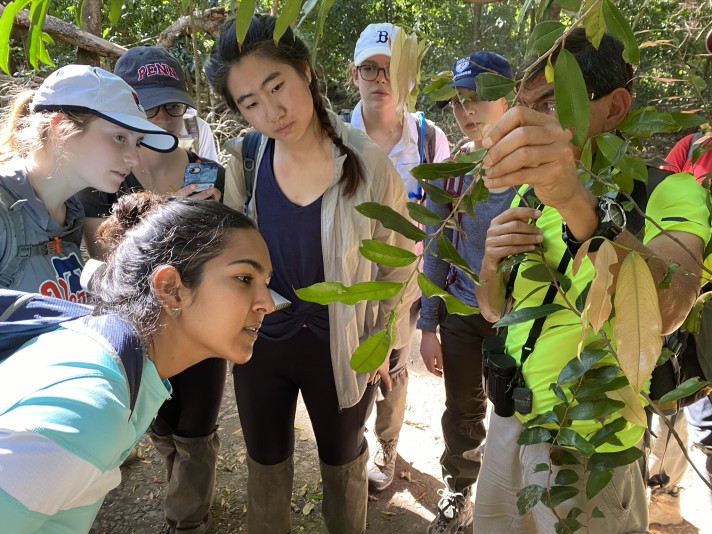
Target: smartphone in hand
pixel 202 174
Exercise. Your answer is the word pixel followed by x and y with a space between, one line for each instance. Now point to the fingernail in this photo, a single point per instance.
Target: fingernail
pixel 487 142
pixel 537 213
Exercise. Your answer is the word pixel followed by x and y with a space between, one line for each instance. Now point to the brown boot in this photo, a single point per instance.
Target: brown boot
pixel 191 486
pixel 345 496
pixel 269 497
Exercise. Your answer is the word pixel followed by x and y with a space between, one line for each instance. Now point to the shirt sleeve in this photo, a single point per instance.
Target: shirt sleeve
pixel 207 146
pixel 442 146
pixel 678 204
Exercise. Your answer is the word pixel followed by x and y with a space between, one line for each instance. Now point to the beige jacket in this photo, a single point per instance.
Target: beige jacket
pixel 343 229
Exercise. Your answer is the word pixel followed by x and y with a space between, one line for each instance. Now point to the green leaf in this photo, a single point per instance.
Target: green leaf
pixel 115 11
pixel 540 273
pixel 591 387
pixel 578 366
pixel 574 513
pixel 453 304
pixel 687 388
pixel 243 17
pixel 529 497
pixel 594 409
pixel 598 478
pixel 608 431
pixel 559 494
pixel 370 354
pixel 78 14
pixel 327 292
pixel 570 5
pixel 561 457
pixel 391 219
pixel 543 36
pixel 559 392
pixel 567 526
pixel 6 21
pixel 644 122
pixel 688 120
pixel 618 26
pixel 611 146
pixel 471 157
pixel 441 94
pixel 436 194
pixel 540 468
pixel 698 82
pixel 449 253
pixel 492 86
pixel 36 50
pixel 307 8
pixel 597 514
pixel 570 438
pixel 288 15
pixel 324 9
pixel 613 460
pixel 423 215
pixel 566 476
pixel 635 167
pixel 434 171
pixel 528 314
pixel 572 104
pixel 543 419
pixel 385 254
pixel 531 436
pixel 581 299
pixel 671 270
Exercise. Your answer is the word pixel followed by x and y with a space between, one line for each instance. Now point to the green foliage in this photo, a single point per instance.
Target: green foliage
pixel 328 292
pixel 385 254
pixel 572 100
pixel 687 388
pixel 544 35
pixel 454 305
pixel 528 314
pixel 391 219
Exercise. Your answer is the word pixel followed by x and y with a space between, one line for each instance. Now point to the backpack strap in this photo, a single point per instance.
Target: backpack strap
pixel 250 145
pixel 24 316
pixel 694 143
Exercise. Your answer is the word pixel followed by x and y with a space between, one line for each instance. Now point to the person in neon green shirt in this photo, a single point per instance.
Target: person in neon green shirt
pixel 529 148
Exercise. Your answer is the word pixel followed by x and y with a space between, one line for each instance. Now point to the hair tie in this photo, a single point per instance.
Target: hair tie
pixel 338 141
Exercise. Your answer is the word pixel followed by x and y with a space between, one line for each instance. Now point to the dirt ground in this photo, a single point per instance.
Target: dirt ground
pixel 136 506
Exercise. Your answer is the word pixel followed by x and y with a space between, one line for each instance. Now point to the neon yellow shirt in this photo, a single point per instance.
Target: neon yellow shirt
pixel 678 203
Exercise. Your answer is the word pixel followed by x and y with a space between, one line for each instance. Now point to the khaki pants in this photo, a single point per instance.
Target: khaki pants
pixel 507 468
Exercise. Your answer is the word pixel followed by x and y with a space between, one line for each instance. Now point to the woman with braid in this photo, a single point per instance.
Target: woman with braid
pixel 311 170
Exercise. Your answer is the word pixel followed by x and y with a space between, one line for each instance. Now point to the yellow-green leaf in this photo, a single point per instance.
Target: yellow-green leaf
pixel 328 292
pixel 633 411
pixel 594 22
pixel 370 354
pixel 385 254
pixel 638 325
pixel 453 304
pixel 288 16
pixel 243 17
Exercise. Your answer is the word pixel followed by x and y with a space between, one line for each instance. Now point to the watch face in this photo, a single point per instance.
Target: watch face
pixel 612 212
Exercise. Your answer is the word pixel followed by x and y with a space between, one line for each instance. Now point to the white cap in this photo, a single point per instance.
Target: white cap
pixel 374 40
pixel 93 90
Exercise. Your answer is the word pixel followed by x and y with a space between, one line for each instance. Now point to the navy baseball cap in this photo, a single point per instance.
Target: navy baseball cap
pixel 467 68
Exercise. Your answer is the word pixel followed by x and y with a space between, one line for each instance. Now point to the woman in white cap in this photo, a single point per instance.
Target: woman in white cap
pixel 310 172
pixel 408 140
pixel 81 128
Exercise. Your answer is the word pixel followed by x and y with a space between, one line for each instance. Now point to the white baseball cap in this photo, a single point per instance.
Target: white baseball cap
pixel 374 40
pixel 93 90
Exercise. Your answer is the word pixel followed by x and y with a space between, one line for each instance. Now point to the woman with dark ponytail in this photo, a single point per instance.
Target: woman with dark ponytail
pixel 186 281
pixel 310 172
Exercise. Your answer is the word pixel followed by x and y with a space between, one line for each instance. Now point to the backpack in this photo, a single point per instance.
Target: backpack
pixel 18 250
pixel 250 145
pixel 24 316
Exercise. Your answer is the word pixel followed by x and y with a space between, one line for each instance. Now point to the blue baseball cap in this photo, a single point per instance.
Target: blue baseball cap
pixel 467 68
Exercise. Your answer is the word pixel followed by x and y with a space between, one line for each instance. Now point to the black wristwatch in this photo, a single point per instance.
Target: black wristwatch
pixel 611 222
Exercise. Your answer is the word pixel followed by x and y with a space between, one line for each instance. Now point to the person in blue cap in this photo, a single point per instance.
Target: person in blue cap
pixel 457 354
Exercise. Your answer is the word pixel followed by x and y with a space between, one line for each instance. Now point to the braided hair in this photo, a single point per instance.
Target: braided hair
pixel 291 50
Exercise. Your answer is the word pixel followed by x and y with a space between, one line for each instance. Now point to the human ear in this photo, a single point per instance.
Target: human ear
pixel 619 101
pixel 169 288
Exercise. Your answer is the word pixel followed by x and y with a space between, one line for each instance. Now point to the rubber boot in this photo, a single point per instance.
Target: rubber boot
pixel 191 486
pixel 269 497
pixel 345 496
pixel 167 448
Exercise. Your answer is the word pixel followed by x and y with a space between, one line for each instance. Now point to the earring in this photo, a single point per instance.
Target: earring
pixel 175 312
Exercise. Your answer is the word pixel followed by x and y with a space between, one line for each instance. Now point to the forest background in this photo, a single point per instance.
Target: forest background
pixel 674 74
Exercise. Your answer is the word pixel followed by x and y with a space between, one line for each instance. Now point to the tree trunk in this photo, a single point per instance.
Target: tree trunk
pixel 476 30
pixel 91 23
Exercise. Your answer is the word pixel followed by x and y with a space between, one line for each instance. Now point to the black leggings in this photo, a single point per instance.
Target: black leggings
pixel 267 387
pixel 195 403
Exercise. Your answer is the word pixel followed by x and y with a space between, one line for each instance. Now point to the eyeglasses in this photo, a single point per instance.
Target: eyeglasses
pixel 174 109
pixel 371 72
pixel 547 107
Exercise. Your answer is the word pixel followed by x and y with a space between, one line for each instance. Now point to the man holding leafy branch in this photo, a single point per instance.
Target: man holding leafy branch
pixel 581 419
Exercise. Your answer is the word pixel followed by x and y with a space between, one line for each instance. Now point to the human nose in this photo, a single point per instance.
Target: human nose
pixel 382 76
pixel 264 301
pixel 131 157
pixel 275 110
